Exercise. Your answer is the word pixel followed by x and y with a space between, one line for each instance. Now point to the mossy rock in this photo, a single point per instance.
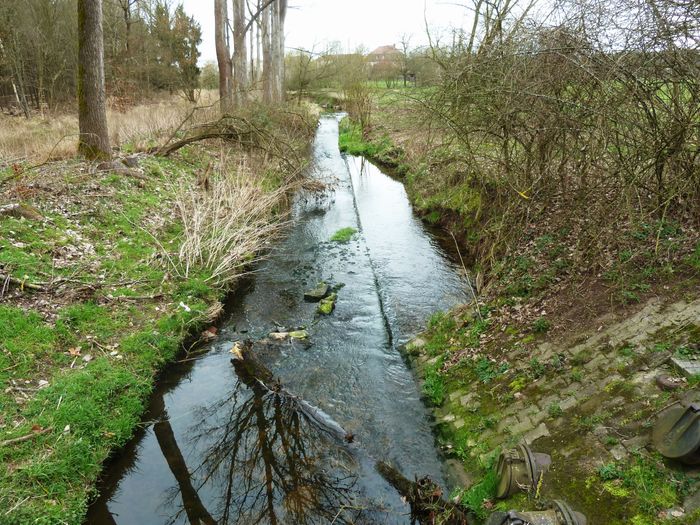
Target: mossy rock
pixel 327 305
pixel 319 292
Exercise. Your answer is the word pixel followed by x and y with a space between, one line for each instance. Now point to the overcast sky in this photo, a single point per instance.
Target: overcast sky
pixel 372 23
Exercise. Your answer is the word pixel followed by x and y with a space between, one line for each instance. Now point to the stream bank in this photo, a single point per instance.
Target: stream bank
pixel 99 300
pixel 563 349
pixel 215 450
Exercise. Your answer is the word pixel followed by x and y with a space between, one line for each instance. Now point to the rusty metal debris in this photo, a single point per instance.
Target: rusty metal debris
pixel 559 514
pixel 676 433
pixel 520 469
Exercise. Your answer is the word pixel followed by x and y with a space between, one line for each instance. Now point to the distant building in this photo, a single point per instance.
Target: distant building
pixel 384 55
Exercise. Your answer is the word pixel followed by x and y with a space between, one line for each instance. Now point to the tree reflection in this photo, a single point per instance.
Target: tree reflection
pixel 263 458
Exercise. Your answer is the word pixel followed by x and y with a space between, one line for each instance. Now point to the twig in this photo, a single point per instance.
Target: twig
pixel 475 300
pixel 22 283
pixel 16 505
pixel 27 437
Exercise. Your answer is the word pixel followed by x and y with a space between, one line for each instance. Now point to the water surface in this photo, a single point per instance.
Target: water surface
pixel 224 450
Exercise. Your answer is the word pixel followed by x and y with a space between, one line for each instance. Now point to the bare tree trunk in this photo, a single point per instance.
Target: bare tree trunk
pixel 282 15
pixel 92 111
pixel 267 78
pixel 251 35
pixel 275 50
pixel 223 55
pixel 240 54
pixel 258 42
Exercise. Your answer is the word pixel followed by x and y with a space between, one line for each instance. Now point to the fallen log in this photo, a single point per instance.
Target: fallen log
pixel 423 495
pixel 257 376
pixel 22 283
pixel 425 498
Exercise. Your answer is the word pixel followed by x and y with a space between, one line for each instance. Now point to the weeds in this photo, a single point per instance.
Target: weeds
pixel 434 384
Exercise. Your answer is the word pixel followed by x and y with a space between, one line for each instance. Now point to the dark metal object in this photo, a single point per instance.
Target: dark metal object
pixel 520 469
pixel 676 433
pixel 559 514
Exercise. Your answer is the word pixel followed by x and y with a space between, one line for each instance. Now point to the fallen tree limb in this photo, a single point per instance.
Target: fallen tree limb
pixel 423 495
pixel 425 498
pixel 26 437
pixel 21 283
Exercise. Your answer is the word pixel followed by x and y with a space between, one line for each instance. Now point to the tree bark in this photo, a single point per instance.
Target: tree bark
pixel 240 54
pixel 281 16
pixel 275 51
pixel 92 110
pixel 268 91
pixel 223 55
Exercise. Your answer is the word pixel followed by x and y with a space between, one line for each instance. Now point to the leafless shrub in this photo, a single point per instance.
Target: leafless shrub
pixel 595 107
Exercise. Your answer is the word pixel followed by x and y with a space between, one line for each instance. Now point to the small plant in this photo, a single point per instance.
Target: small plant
pixel 576 376
pixel 609 471
pixel 688 351
pixel 541 326
pixel 481 492
pixel 434 385
pixel 627 351
pixel 344 235
pixel 518 383
pixel 555 410
pixel 486 370
pixel 537 369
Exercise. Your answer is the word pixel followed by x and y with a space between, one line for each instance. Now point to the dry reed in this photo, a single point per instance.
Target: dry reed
pixel 226 225
pixel 140 127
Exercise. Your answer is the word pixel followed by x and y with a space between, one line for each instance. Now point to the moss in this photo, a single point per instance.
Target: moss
pixel 327 305
pixel 344 235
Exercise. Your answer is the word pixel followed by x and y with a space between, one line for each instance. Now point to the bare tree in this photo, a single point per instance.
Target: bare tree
pixel 240 54
pixel 265 36
pixel 92 112
pixel 223 55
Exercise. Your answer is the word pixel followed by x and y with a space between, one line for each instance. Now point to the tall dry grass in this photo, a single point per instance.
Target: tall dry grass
pixel 225 222
pixel 55 137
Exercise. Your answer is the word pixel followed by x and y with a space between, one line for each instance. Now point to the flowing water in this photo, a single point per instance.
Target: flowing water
pixel 223 450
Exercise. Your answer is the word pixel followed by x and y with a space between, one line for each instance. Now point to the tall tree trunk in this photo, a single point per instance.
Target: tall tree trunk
pixel 258 51
pixel 92 110
pixel 274 44
pixel 251 42
pixel 268 91
pixel 223 55
pixel 281 15
pixel 240 54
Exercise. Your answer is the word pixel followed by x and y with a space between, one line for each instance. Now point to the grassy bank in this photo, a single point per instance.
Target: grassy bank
pixel 102 277
pixel 574 320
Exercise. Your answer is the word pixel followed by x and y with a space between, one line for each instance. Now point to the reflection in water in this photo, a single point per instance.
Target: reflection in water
pixel 250 455
pixel 268 460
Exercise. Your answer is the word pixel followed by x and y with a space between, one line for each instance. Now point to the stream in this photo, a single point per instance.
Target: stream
pixel 217 452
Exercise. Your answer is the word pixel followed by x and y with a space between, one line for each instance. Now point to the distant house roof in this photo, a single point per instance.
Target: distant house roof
pixel 385 50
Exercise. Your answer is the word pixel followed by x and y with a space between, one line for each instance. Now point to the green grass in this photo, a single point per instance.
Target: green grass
pixel 344 235
pixel 645 483
pixel 352 141
pixel 434 384
pixel 93 400
pixel 482 491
